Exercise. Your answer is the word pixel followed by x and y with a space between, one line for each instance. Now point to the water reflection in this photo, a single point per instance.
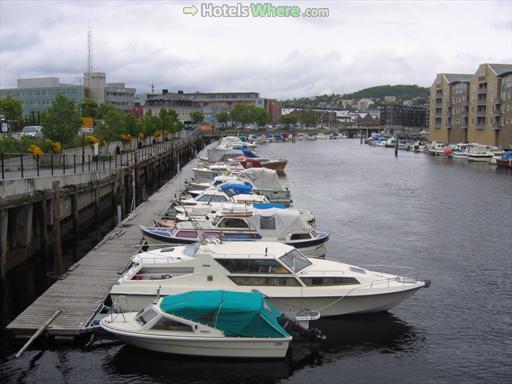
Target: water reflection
pixel 365 333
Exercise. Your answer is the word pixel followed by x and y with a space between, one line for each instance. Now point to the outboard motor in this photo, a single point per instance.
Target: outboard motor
pixel 297 323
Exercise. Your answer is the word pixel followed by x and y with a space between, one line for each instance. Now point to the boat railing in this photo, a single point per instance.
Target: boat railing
pixel 404 279
pixel 116 309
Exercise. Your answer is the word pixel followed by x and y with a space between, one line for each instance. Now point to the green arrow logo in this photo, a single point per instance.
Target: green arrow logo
pixel 190 10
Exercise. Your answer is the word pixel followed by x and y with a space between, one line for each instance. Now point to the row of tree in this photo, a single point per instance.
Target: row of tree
pixel 62 120
pixel 306 117
pixel 244 114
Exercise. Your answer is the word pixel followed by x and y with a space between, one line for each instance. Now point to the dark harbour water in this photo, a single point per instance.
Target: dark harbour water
pixel 449 220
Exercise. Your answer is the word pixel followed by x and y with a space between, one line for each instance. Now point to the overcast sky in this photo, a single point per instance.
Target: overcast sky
pixel 360 44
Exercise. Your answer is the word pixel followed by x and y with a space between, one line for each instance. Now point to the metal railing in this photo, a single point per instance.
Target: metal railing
pixel 26 165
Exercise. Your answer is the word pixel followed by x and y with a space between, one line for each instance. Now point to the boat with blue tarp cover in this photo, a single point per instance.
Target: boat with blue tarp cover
pixel 214 323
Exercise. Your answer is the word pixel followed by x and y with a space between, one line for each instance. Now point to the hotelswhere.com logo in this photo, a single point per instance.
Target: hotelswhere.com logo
pixel 253 10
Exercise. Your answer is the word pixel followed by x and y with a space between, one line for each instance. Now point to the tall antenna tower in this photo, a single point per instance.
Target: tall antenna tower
pixel 152 88
pixel 89 52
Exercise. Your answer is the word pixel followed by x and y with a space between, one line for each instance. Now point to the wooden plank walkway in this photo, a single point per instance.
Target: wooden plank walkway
pixel 85 287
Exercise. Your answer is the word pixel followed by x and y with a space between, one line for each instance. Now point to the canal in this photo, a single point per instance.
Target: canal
pixel 450 221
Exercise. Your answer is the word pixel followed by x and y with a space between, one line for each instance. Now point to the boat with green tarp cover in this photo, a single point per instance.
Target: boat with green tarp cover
pixel 205 323
pixel 245 314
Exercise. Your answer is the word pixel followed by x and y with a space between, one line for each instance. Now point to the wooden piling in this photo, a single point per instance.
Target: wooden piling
pixel 58 262
pixel 74 217
pixel 97 211
pixel 4 289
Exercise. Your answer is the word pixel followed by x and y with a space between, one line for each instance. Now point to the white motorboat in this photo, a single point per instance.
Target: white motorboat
pixel 483 153
pixel 391 142
pixel 266 182
pixel 217 198
pixel 321 136
pixel 417 146
pixel 436 149
pixel 204 323
pixel 289 280
pixel 206 213
pixel 274 224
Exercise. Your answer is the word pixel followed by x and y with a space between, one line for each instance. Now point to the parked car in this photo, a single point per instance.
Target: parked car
pixel 86 130
pixel 32 131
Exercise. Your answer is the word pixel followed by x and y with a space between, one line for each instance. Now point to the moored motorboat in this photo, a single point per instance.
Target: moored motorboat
pixel 483 153
pixel 274 224
pixel 505 160
pixel 436 148
pixel 205 323
pixel 289 280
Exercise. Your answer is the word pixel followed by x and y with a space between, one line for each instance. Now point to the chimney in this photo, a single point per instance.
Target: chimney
pixel 165 91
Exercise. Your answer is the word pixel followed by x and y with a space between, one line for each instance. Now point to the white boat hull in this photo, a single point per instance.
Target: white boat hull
pixel 482 159
pixel 214 347
pixel 232 347
pixel 329 306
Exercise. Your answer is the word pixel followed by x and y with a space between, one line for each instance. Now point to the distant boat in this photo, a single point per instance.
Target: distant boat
pixel 483 153
pixel 436 148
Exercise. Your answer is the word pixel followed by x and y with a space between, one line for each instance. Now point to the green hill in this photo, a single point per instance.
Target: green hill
pixel 402 92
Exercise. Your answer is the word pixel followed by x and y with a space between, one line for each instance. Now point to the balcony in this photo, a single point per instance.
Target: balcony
pixel 480 126
pixel 481 90
pixel 439 104
pixel 497 126
pixel 481 101
pixel 438 115
pixel 437 125
pixel 480 113
pixel 496 100
pixel 496 112
pixel 464 126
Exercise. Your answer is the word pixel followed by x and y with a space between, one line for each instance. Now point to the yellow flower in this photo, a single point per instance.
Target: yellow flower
pixel 35 150
pixel 126 137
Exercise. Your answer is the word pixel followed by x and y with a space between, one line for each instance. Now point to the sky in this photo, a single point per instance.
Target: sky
pixel 360 44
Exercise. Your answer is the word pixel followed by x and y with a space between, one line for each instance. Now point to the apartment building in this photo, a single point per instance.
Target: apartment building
pixel 473 107
pixel 401 117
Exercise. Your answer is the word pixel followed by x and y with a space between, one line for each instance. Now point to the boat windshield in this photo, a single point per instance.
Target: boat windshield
pixel 295 261
pixel 216 220
pixel 191 250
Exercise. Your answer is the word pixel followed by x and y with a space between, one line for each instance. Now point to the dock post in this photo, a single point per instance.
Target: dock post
pixel 122 202
pixel 97 211
pixel 43 231
pixel 396 146
pixel 74 217
pixel 4 289
pixel 57 246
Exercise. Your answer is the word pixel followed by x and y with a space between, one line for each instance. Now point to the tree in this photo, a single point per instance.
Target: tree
pixel 289 119
pixel 242 113
pixel 259 116
pixel 197 116
pixel 89 108
pixel 61 121
pixel 308 117
pixel 223 117
pixel 111 127
pixel 103 109
pixel 132 125
pixel 150 123
pixel 173 124
pixel 11 109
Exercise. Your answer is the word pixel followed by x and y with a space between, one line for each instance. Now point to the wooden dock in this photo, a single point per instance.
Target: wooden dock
pixel 82 289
